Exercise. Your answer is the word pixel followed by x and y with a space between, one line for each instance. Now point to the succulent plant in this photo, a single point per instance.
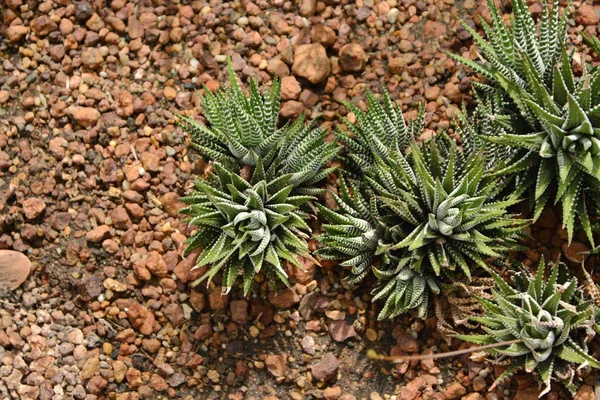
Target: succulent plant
pixel 354 230
pixel 546 318
pixel 246 226
pixel 500 53
pixel 593 42
pixel 416 217
pixel 379 132
pixel 563 141
pixel 551 116
pixel 448 209
pixel 243 130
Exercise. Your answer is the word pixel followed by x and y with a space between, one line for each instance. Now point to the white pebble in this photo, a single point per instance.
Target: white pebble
pixel 392 15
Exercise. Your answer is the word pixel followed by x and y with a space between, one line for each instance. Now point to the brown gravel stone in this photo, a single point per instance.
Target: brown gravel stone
pixel 15 33
pixel 172 204
pixel 276 365
pixel 284 299
pixel 455 391
pixel 43 25
pixel 33 207
pixel 397 65
pixel 323 34
pixel 239 311
pixel 352 57
pixel 156 265
pixel 311 62
pixel 84 116
pixel 217 300
pixel 141 319
pixel 434 29
pixel 341 331
pixel 92 58
pixel 586 15
pixel 290 88
pixel 98 234
pixel 120 218
pixel 326 368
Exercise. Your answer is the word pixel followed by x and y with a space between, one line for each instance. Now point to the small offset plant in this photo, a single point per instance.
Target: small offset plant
pixel 546 318
pixel 380 132
pixel 242 130
pixel 248 213
pixel 501 52
pixel 353 232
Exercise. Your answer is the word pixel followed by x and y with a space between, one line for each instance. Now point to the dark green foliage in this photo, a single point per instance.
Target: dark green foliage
pixel 551 116
pixel 379 132
pixel 563 142
pixel 246 227
pixel 550 318
pixel 417 217
pixel 447 208
pixel 501 52
pixel 243 130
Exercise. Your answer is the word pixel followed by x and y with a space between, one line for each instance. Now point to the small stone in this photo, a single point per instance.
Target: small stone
pixel 284 299
pixel 172 204
pixel 278 68
pixel 397 65
pixel 341 331
pixel 156 264
pixel 169 93
pixel 290 88
pixel 75 336
pixel 276 364
pixel 120 218
pixel 43 25
pixel 141 319
pixel 90 367
pixel 308 345
pixel 307 8
pixel 15 33
pixel 84 116
pixel 150 161
pixel 239 311
pixel 311 62
pixel 352 57
pixel 323 34
pixel 455 391
pixel 332 393
pixel 98 234
pixel 114 285
pixel 218 300
pixel 92 58
pixel 371 335
pixel 586 15
pixel 326 368
pixel 407 343
pixel 434 29
pixel 33 207
pixel 83 11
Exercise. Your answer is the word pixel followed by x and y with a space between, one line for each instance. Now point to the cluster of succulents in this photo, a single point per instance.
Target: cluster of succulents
pixel 250 213
pixel 416 215
pixel 546 319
